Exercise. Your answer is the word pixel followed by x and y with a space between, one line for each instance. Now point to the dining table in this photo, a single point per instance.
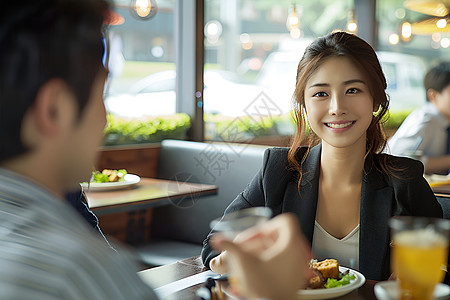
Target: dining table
pixel 441 190
pixel 172 281
pixel 147 193
pixel 440 184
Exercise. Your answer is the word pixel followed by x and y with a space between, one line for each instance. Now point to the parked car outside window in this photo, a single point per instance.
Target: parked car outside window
pixel 155 95
pixel 226 94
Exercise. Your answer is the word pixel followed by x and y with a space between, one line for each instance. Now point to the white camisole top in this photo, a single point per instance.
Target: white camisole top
pixel 345 250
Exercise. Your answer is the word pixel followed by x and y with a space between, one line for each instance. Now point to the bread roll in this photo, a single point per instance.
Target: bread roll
pixel 328 267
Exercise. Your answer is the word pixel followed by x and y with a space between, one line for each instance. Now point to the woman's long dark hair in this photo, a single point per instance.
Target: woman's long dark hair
pixel 340 44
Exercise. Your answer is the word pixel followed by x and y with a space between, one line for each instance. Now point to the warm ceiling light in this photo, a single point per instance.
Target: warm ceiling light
pixel 441 23
pixel 400 13
pixel 213 31
pixel 430 25
pixel 352 25
pixel 393 39
pixel 143 9
pixel 247 46
pixel 436 37
pixel 293 20
pixel 406 30
pixel 244 38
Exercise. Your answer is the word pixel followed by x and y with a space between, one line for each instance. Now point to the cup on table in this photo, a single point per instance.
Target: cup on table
pixel 234 223
pixel 419 254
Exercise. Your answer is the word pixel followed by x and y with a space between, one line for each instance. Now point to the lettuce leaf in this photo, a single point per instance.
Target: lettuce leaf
pixel 99 177
pixel 332 283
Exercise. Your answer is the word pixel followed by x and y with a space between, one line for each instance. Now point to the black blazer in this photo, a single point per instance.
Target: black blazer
pixel 382 196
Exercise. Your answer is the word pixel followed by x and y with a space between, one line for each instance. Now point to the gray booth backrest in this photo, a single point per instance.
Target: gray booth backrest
pixel 229 166
pixel 445 204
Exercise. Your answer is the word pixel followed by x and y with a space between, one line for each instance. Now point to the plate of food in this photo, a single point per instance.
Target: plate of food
pixel 330 280
pixel 110 180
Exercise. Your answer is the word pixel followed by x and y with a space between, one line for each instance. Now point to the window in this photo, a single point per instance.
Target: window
pixel 251 52
pixel 251 40
pixel 140 92
pixel 406 61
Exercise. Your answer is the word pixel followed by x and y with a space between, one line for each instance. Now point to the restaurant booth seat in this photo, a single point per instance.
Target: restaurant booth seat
pixel 178 230
pixel 445 204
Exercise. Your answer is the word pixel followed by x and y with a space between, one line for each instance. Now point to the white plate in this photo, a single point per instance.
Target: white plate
pixel 334 292
pixel 130 180
pixel 321 293
pixel 388 290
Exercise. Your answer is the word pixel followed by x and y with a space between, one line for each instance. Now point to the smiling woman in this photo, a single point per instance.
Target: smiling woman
pixel 343 189
pixel 339 105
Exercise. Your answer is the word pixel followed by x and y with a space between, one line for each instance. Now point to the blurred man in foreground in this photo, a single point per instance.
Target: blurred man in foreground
pixel 52 117
pixel 52 120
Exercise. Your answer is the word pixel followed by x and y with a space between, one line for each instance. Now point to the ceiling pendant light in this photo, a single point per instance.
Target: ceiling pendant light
pixel 143 9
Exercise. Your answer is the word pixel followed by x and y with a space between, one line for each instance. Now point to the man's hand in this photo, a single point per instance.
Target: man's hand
pixel 219 263
pixel 269 260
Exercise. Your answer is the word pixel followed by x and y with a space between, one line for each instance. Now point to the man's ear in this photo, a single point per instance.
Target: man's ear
pixel 432 94
pixel 48 105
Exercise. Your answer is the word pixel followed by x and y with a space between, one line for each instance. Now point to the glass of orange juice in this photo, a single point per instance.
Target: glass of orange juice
pixel 419 254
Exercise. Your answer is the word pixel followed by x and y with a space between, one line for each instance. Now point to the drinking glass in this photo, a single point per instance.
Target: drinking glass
pixel 419 254
pixel 232 224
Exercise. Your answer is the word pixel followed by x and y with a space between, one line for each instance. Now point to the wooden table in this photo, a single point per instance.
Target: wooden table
pixel 163 275
pixel 442 190
pixel 149 192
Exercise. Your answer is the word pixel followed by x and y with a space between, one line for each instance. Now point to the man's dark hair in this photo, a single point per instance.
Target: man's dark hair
pixel 41 40
pixel 438 78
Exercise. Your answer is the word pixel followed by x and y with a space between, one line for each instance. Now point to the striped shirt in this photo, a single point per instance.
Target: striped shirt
pixel 47 250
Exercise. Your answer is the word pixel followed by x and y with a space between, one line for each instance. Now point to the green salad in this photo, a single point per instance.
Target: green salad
pixel 343 280
pixel 108 176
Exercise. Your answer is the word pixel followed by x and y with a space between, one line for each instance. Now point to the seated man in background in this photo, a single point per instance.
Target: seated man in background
pixel 52 118
pixel 425 132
